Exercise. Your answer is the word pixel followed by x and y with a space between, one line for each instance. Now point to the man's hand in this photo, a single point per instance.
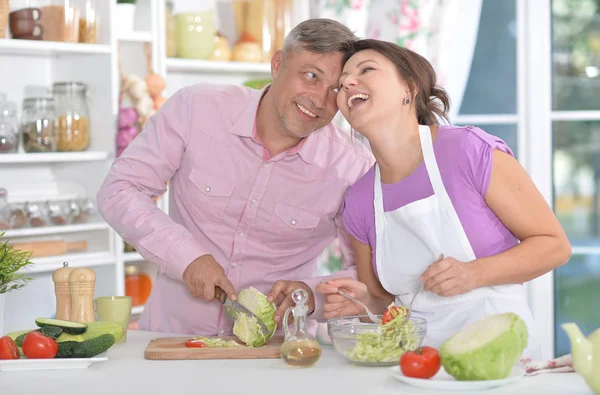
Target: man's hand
pixel 281 295
pixel 203 275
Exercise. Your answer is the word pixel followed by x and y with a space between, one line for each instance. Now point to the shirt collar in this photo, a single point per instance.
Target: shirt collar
pixel 244 126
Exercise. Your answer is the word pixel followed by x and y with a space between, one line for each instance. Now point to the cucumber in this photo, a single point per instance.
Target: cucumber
pixel 19 339
pixel 71 327
pixel 65 337
pixel 98 328
pixel 85 349
pixel 52 331
pixel 15 335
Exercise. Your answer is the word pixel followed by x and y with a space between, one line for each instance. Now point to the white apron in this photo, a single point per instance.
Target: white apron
pixel 411 238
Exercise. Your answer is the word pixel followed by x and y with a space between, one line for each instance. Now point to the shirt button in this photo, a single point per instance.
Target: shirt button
pixel 234 265
pixel 267 164
pixel 294 222
pixel 222 332
pixel 242 234
pixel 253 201
pixel 207 189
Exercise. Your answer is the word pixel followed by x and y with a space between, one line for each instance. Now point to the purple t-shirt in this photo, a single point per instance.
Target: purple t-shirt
pixel 464 157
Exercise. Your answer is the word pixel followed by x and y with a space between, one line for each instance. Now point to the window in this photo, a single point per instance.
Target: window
pixel 576 161
pixel 490 98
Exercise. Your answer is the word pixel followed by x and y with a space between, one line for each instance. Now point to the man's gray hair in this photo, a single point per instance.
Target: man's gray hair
pixel 319 35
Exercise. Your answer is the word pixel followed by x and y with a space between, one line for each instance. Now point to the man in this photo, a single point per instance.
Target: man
pixel 257 179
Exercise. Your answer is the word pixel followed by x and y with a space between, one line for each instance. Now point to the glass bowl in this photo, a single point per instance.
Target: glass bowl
pixel 362 342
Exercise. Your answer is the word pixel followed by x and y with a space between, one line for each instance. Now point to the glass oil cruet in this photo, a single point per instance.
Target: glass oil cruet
pixel 299 348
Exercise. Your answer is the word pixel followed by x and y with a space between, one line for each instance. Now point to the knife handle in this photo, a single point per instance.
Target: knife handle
pixel 220 295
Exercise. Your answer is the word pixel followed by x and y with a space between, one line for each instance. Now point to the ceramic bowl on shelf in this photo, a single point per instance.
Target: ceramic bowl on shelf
pixel 362 342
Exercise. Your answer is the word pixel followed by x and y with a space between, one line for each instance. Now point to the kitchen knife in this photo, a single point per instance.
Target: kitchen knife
pixel 234 309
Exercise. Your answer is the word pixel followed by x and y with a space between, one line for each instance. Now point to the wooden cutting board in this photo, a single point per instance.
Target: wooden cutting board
pixel 173 348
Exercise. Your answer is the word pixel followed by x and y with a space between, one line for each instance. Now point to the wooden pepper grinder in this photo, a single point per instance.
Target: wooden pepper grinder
pixel 62 290
pixel 83 282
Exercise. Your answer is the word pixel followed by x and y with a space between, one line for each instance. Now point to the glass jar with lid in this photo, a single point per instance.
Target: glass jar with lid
pixel 72 114
pixel 138 285
pixel 9 129
pixel 38 125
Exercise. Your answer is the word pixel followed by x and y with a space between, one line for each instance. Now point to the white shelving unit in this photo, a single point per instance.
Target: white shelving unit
pixel 136 37
pixel 132 257
pixel 35 64
pixel 175 65
pixel 54 157
pixel 56 230
pixel 46 48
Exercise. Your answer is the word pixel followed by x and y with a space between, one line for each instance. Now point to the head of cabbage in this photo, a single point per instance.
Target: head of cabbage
pixel 247 329
pixel 487 349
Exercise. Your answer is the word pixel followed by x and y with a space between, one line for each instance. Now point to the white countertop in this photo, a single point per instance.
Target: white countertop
pixel 127 372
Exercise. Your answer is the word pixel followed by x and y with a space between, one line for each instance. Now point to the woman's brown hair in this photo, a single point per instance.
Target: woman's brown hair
pixel 430 99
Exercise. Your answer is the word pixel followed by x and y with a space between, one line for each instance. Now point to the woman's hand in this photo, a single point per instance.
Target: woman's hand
pixel 449 277
pixel 337 305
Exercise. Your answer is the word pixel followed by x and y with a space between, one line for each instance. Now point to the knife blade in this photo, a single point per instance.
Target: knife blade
pixel 234 309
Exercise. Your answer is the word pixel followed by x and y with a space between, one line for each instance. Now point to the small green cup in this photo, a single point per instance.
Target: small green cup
pixel 114 309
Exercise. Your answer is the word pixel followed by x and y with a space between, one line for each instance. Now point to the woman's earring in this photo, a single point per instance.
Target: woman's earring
pixel 406 100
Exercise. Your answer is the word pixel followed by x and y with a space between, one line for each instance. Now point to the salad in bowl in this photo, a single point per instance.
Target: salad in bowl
pixel 363 342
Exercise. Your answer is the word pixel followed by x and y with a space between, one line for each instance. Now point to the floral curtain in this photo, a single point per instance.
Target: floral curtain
pixel 443 31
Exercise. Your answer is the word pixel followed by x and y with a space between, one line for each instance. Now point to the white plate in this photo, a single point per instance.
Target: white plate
pixel 443 381
pixel 54 363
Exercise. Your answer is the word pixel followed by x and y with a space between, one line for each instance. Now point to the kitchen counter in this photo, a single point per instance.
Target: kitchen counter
pixel 127 372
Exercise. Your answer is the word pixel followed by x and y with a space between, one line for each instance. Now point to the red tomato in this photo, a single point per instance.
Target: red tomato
pixel 8 348
pixel 391 313
pixel 195 343
pixel 38 346
pixel 423 363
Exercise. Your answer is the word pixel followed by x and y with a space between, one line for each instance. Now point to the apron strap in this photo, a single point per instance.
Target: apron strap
pixel 440 190
pixel 379 225
pixel 431 164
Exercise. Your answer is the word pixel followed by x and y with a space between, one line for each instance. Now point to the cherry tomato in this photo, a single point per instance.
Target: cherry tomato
pixel 8 348
pixel 195 343
pixel 391 313
pixel 423 363
pixel 36 345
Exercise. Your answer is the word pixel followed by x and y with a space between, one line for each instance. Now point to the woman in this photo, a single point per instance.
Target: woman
pixel 434 190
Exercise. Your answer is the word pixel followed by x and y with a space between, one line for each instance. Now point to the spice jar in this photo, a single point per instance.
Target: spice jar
pixel 38 125
pixel 137 285
pixel 9 130
pixel 59 212
pixel 88 22
pixel 36 214
pixel 72 114
pixel 18 215
pixel 81 210
pixel 4 210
